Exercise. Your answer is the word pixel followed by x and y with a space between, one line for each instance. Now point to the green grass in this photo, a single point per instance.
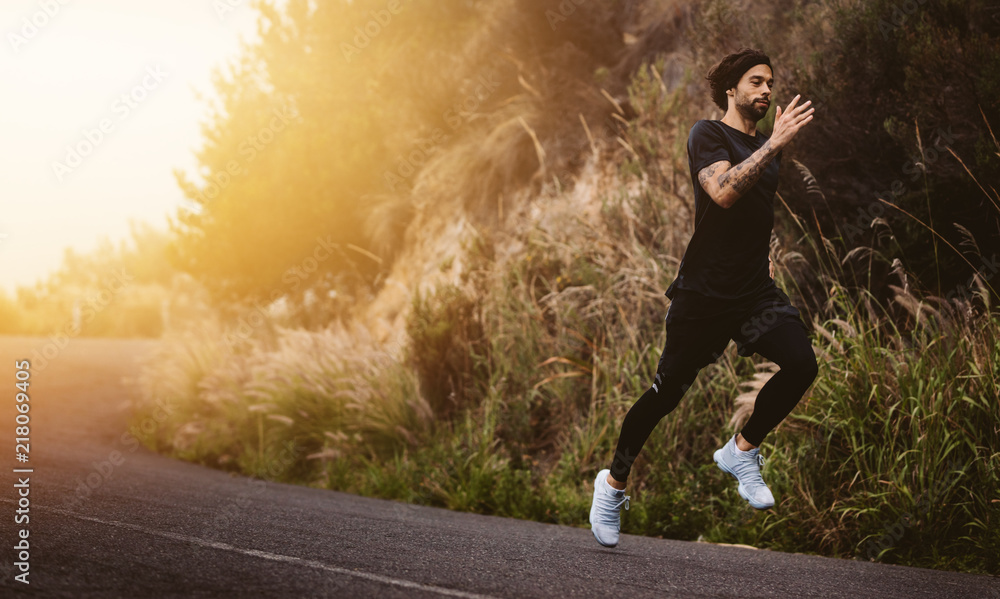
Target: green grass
pixel 511 393
pixel 893 455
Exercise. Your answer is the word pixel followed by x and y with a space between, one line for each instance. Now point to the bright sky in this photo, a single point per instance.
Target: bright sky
pixel 64 77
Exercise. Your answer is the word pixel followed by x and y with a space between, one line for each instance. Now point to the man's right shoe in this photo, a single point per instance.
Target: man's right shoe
pixel 605 511
pixel 744 466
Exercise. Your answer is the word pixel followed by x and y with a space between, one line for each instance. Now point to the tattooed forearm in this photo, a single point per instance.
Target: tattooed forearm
pixel 743 176
pixel 709 171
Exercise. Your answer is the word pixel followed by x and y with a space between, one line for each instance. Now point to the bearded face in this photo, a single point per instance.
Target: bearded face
pixel 753 93
pixel 752 107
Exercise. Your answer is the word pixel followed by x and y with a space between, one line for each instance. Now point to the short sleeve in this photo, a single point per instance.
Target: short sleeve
pixel 706 145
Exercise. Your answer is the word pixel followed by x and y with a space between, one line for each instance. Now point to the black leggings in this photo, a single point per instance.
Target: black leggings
pixel 786 345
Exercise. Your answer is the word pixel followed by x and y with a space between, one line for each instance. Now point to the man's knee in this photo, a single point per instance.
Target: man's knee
pixel 804 365
pixel 672 379
pixel 667 389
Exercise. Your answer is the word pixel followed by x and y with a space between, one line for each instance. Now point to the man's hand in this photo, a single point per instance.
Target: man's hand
pixel 788 123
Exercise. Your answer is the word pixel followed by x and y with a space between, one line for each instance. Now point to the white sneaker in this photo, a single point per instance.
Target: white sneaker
pixel 745 467
pixel 605 511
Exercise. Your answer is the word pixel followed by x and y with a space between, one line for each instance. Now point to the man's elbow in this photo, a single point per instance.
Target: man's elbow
pixel 723 198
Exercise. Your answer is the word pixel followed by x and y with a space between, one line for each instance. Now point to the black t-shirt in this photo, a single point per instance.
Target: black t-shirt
pixel 727 254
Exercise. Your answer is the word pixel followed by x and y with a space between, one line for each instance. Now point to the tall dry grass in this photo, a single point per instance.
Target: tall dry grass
pixel 512 390
pixel 516 378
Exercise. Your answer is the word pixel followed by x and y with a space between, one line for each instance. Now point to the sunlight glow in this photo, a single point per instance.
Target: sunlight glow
pixel 80 75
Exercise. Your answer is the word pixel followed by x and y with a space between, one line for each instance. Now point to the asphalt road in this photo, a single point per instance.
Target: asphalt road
pixel 157 527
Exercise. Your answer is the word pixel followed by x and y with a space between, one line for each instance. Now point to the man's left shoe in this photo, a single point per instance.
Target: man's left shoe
pixel 605 510
pixel 745 468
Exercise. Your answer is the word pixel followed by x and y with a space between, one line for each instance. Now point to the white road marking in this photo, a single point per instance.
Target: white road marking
pixel 406 584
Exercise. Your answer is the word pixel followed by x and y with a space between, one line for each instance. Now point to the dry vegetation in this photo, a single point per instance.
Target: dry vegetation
pixel 515 313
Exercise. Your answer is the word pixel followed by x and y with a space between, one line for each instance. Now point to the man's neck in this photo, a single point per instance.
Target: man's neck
pixel 735 120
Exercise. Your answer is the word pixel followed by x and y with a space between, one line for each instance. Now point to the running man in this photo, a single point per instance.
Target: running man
pixel 724 288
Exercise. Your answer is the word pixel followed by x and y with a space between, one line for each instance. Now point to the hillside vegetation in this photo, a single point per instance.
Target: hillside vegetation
pixel 469 212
